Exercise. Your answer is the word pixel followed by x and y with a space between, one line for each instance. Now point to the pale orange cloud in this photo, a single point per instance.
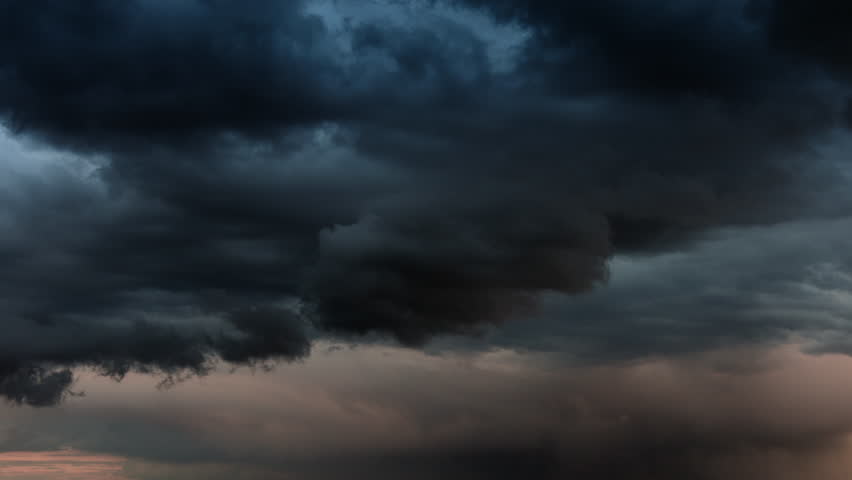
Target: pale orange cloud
pixel 60 465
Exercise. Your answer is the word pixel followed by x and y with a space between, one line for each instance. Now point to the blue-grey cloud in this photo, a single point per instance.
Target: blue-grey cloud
pixel 228 181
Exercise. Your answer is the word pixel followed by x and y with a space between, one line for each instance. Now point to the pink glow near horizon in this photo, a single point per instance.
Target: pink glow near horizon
pixel 60 465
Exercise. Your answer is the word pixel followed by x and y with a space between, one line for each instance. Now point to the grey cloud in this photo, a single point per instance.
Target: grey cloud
pixel 35 385
pixel 722 414
pixel 258 176
pixel 739 286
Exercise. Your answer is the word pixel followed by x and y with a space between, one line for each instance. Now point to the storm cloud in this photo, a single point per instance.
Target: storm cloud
pixel 200 180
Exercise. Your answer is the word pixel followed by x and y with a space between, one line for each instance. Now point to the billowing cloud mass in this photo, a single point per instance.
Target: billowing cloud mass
pixel 196 181
pixel 229 173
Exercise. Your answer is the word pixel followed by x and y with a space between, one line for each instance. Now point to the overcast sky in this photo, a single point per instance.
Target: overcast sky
pixel 321 239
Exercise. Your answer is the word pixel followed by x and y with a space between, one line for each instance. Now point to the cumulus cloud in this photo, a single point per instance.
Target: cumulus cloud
pixel 228 182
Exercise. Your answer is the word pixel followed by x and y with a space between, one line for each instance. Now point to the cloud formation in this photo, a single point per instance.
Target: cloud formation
pixel 725 414
pixel 197 180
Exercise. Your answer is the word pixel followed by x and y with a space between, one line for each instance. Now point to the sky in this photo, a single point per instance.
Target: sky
pixel 461 239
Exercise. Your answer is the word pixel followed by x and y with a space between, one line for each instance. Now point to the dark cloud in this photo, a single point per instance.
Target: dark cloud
pixel 30 374
pixel 814 31
pixel 740 286
pixel 231 180
pixel 659 48
pixel 268 333
pixel 35 386
pixel 96 72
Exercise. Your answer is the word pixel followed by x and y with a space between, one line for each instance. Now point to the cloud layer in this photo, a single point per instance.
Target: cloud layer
pixel 192 181
pixel 726 414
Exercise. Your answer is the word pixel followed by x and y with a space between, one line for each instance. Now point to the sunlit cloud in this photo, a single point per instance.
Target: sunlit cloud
pixel 60 465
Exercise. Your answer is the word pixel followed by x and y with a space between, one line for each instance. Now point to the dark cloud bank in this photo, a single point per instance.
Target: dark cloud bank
pixel 234 180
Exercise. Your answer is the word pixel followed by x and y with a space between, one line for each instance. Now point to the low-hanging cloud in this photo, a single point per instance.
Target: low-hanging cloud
pixel 725 414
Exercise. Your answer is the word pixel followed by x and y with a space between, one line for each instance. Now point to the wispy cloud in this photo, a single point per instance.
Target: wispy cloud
pixel 60 465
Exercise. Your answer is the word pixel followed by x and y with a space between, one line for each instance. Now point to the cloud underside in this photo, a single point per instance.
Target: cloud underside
pixel 196 181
